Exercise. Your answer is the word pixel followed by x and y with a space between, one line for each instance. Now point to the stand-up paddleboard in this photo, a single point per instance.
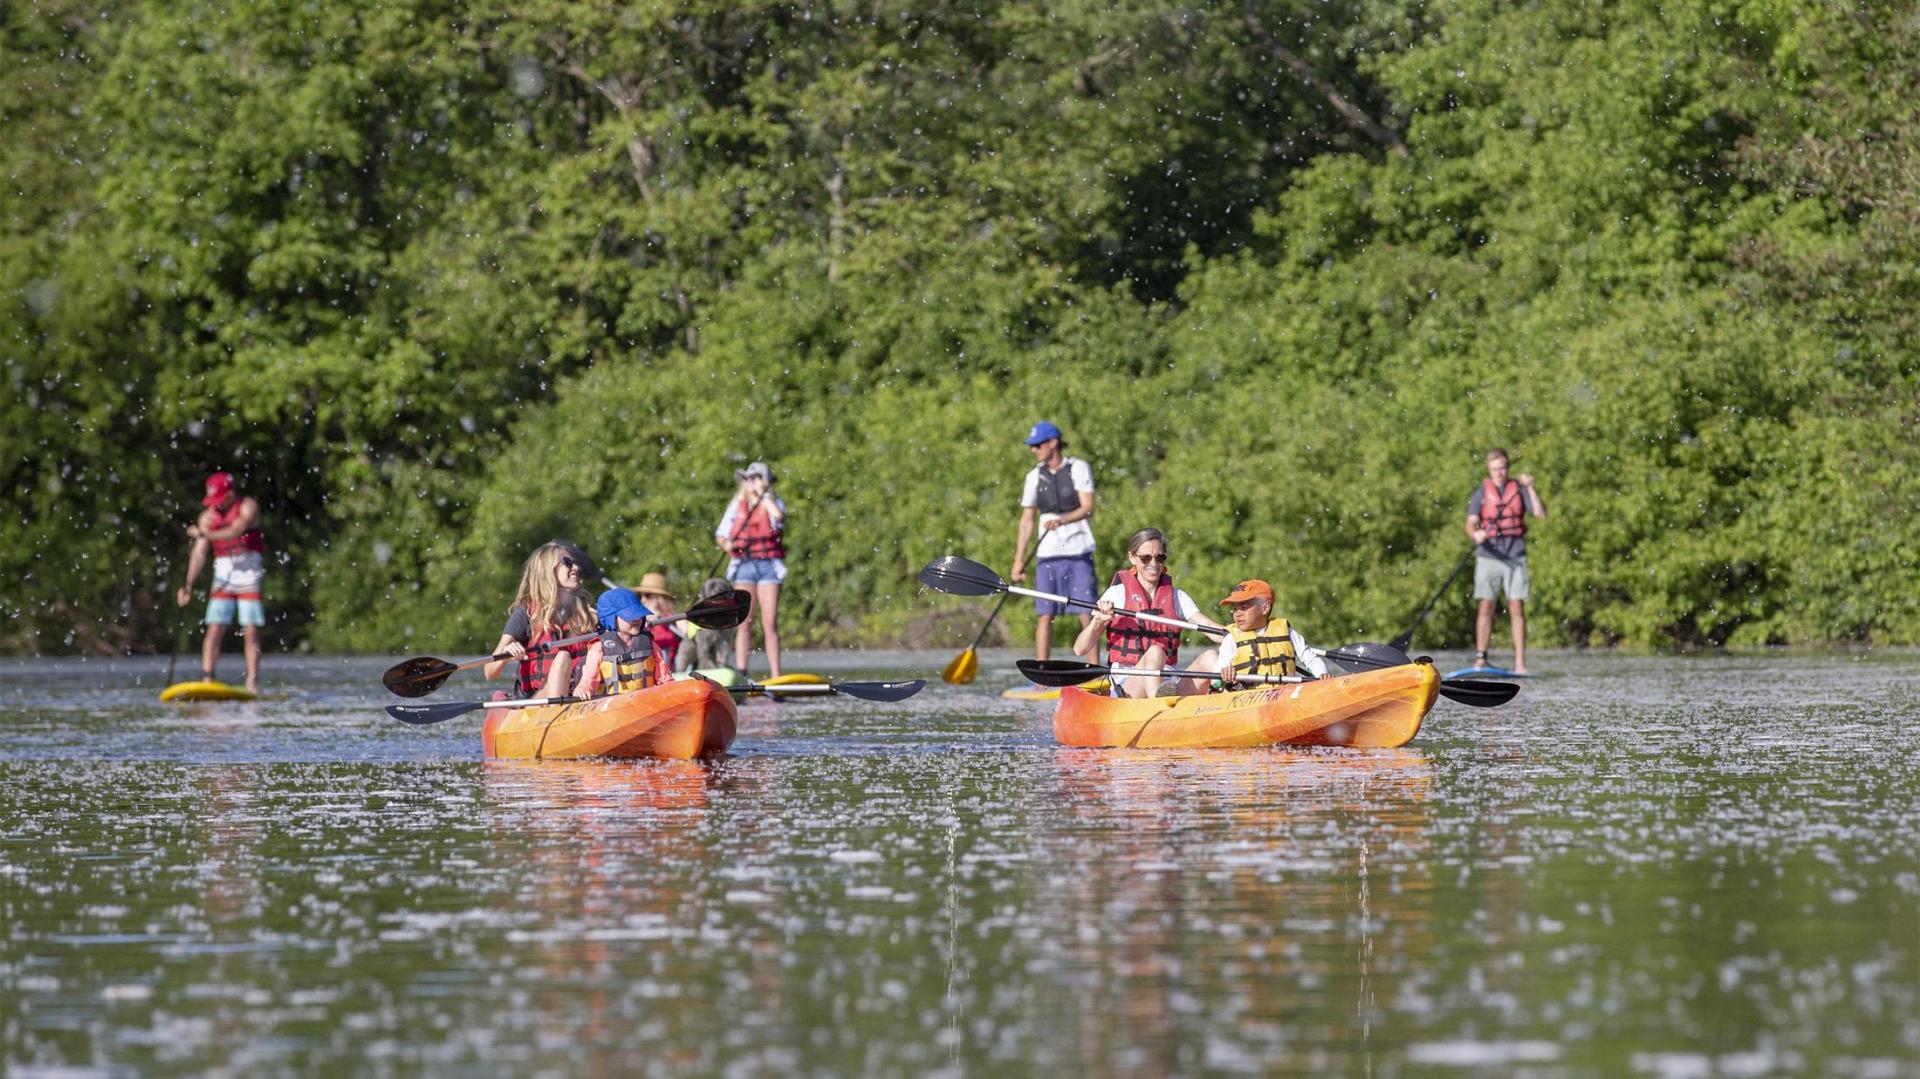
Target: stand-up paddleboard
pixel 183 692
pixel 1044 693
pixel 1483 672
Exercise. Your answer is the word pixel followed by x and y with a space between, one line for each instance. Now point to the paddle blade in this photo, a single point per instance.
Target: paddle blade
pixel 1402 642
pixel 961 671
pixel 1366 656
pixel 1478 692
pixel 422 714
pixel 418 676
pixel 1059 672
pixel 724 611
pixel 958 576
pixel 880 691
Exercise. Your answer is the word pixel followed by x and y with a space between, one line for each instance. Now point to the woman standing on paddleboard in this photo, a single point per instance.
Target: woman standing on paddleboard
pixel 753 533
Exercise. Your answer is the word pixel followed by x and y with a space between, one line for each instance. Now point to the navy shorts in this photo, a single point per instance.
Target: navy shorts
pixel 1069 577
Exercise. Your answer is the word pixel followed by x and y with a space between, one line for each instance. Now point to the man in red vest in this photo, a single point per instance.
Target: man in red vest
pixel 228 528
pixel 1497 523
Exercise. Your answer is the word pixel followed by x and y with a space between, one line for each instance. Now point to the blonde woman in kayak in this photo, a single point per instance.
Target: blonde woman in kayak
pixel 1147 587
pixel 549 606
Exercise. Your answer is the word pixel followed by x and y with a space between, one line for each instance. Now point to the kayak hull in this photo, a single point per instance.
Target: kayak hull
pixel 676 721
pixel 1374 709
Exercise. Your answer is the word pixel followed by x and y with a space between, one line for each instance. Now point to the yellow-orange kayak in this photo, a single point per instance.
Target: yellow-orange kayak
pixel 679 720
pixel 1375 709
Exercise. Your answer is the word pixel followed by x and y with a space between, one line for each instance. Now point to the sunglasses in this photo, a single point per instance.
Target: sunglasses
pixel 1160 558
pixel 568 562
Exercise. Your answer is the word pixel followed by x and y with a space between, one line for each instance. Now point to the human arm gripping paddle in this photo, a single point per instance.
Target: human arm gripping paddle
pixel 421 675
pixel 961 577
pixel 1405 640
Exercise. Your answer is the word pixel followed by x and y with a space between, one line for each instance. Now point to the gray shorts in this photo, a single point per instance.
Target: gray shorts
pixel 1491 576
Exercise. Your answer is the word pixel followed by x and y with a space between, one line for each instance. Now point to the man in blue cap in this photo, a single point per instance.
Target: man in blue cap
pixel 1059 494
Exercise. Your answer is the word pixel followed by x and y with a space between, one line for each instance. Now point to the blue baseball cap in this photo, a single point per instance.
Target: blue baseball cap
pixel 620 603
pixel 1041 432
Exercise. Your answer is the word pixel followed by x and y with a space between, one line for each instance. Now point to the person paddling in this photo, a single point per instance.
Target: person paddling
pixel 629 656
pixel 753 533
pixel 548 606
pixel 228 528
pixel 1259 643
pixel 1497 523
pixel 1148 588
pixel 1057 495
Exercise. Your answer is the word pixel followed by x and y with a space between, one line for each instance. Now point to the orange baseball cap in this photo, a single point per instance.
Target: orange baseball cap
pixel 1247 590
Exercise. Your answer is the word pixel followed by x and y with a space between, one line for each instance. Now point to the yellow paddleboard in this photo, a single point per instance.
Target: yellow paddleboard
pixel 1040 693
pixel 206 691
pixel 794 680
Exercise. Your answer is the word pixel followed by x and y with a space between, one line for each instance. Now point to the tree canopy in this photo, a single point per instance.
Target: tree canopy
pixel 440 281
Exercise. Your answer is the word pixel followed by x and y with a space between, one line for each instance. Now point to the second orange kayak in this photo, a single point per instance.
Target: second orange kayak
pixel 1375 709
pixel 679 720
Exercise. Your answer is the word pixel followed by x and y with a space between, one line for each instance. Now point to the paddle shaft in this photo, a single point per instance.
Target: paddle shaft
pixel 1401 642
pixel 422 714
pixel 1082 604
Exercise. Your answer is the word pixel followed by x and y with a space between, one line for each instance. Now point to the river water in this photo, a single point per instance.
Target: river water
pixel 1655 866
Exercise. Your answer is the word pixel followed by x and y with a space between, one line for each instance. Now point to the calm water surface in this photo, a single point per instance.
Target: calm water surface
pixel 1672 867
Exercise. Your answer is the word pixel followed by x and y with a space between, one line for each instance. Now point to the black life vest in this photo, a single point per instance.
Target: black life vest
pixel 1054 492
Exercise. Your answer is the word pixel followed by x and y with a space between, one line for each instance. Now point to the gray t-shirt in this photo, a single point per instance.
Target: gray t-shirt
pixel 1504 548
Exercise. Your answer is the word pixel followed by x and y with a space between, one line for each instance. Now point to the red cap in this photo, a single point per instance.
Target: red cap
pixel 219 486
pixel 1247 590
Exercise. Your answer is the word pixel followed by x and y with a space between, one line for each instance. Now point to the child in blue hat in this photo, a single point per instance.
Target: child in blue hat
pixel 627 655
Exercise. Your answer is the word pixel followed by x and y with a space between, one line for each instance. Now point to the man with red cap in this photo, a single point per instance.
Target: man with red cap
pixel 1261 644
pixel 228 528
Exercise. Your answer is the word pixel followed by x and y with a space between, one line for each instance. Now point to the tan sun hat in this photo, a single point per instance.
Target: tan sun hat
pixel 655 584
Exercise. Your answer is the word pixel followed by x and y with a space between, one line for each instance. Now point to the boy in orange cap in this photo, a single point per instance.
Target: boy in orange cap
pixel 1261 644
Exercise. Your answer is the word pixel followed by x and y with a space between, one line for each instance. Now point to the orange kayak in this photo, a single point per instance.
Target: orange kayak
pixel 679 720
pixel 1376 709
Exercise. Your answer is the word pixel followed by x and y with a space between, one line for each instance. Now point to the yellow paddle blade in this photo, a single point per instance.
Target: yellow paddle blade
pixel 961 671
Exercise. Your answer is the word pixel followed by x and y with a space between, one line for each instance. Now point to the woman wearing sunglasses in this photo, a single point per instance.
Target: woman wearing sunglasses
pixel 549 606
pixel 1147 587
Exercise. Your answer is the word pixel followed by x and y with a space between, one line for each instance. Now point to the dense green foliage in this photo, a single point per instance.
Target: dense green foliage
pixel 441 280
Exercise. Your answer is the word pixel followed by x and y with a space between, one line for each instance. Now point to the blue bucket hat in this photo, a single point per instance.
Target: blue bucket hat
pixel 620 603
pixel 1041 432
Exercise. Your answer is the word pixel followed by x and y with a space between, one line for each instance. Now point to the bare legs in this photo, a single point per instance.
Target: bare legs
pixel 1043 634
pixel 766 596
pixel 1483 631
pixel 1139 687
pixel 250 642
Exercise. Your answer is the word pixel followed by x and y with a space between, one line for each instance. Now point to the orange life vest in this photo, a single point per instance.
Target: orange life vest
pixel 1129 638
pixel 1503 511
pixel 250 540
pixel 753 533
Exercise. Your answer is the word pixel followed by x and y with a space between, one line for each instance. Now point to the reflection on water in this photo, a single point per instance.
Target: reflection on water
pixel 1661 867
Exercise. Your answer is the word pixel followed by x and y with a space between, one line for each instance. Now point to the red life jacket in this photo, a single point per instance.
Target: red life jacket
pixel 1129 638
pixel 250 540
pixel 753 533
pixel 538 660
pixel 666 649
pixel 1503 511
